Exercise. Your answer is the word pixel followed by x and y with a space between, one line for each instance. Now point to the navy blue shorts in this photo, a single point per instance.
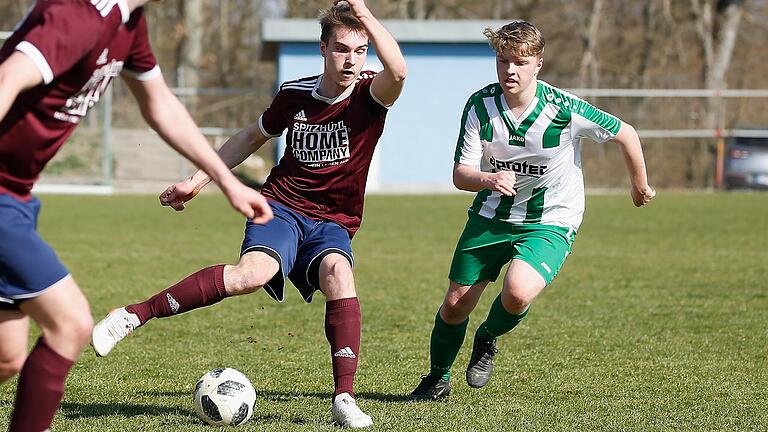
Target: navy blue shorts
pixel 299 244
pixel 28 265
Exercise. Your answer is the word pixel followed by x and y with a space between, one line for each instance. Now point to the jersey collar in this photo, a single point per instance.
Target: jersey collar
pixel 506 112
pixel 330 101
pixel 125 12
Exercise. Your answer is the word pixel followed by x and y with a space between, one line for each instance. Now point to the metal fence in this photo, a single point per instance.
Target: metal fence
pixel 96 136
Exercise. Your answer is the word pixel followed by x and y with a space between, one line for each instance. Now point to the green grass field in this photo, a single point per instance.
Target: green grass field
pixel 658 321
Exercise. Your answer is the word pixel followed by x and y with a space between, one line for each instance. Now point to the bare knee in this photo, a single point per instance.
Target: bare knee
pixel 250 274
pixel 516 301
pixel 11 366
pixel 460 301
pixel 78 329
pixel 455 309
pixel 336 277
pixel 69 333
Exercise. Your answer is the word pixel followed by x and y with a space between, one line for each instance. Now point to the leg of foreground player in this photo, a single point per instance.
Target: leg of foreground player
pixel 203 288
pixel 14 331
pixel 342 329
pixel 63 315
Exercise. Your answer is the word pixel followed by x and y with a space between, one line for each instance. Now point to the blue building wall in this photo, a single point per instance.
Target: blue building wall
pixel 417 148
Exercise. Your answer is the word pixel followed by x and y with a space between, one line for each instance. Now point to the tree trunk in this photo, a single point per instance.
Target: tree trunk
pixel 589 73
pixel 191 47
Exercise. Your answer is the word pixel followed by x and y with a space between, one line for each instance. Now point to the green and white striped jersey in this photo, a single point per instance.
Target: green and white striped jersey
pixel 541 147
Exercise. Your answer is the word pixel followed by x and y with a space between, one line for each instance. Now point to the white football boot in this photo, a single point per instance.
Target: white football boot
pixel 112 329
pixel 347 414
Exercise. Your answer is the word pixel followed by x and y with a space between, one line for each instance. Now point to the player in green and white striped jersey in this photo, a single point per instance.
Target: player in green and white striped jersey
pixel 524 135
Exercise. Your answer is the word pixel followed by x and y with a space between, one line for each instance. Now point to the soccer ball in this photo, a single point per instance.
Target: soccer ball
pixel 224 397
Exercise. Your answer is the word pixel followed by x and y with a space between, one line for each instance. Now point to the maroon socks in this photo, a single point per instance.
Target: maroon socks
pixel 204 288
pixel 342 329
pixel 40 389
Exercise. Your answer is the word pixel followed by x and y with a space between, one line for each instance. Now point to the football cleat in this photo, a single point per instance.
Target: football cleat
pixel 115 327
pixel 480 366
pixel 431 388
pixel 347 414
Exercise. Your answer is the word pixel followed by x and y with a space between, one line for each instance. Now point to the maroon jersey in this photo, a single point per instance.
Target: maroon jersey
pixel 329 147
pixel 78 48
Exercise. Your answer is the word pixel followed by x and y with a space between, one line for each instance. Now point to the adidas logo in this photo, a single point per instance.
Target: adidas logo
pixel 345 352
pixel 103 57
pixel 173 303
pixel 300 116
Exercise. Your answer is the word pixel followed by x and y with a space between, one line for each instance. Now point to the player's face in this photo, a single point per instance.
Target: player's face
pixel 516 73
pixel 345 54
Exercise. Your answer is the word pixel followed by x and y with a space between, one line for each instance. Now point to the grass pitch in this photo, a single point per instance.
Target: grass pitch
pixel 656 322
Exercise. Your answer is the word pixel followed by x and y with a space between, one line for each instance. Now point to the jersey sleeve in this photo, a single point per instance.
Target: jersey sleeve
pixel 469 147
pixel 141 63
pixel 592 122
pixel 63 34
pixel 274 119
pixel 365 86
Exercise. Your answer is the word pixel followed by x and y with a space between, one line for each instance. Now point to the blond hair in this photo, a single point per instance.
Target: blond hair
pixel 522 37
pixel 338 15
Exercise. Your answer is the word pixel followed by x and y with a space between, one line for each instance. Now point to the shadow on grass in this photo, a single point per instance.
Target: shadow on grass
pixel 287 395
pixel 76 410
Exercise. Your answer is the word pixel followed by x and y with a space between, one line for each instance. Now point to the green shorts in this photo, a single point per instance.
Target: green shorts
pixel 487 245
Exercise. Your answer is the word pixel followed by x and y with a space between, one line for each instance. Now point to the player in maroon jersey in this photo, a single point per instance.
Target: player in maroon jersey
pixel 53 68
pixel 334 121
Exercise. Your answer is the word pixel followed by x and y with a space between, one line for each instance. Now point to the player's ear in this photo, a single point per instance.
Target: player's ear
pixel 323 48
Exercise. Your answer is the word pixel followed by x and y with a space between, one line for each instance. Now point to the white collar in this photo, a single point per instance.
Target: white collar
pixel 517 120
pixel 330 101
pixel 124 10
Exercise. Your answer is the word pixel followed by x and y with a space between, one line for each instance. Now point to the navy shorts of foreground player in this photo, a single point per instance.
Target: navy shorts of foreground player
pixel 299 244
pixel 28 266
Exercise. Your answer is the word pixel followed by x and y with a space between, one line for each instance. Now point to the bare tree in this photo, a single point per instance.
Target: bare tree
pixel 190 49
pixel 589 72
pixel 717 27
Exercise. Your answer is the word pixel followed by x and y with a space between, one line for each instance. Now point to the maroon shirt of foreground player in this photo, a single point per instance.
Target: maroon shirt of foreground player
pixel 76 69
pixel 329 147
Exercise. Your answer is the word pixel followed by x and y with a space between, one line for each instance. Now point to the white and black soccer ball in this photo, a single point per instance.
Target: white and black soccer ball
pixel 224 397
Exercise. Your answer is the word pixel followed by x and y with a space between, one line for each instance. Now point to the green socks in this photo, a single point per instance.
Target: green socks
pixel 444 346
pixel 447 338
pixel 499 321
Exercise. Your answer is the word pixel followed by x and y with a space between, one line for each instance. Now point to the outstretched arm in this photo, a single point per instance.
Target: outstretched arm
pixel 630 146
pixel 168 117
pixel 233 152
pixel 17 73
pixel 389 82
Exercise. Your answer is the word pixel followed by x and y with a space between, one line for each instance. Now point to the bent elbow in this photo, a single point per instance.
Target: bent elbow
pixel 628 128
pixel 399 74
pixel 459 183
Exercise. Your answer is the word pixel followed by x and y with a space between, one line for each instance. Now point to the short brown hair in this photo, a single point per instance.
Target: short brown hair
pixel 522 37
pixel 338 15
